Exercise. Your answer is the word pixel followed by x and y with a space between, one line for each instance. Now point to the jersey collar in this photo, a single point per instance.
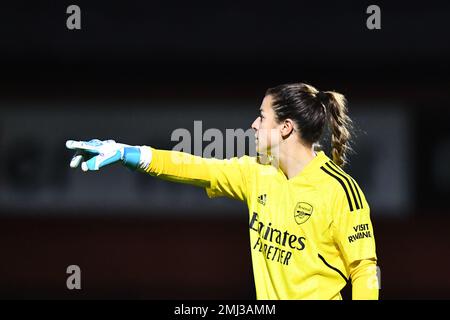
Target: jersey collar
pixel 319 160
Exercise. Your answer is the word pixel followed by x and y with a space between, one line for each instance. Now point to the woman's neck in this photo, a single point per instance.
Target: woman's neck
pixel 293 157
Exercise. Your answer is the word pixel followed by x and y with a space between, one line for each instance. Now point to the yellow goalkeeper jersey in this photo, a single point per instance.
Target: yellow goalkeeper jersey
pixel 309 235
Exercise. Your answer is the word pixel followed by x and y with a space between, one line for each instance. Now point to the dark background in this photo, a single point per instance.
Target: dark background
pixel 137 70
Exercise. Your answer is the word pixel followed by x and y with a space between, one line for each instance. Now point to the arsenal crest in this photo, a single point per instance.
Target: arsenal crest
pixel 302 212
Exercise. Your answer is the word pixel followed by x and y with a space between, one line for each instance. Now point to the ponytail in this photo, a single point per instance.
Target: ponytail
pixel 312 110
pixel 339 123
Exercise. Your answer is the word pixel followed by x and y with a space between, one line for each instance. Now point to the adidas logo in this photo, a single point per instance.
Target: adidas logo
pixel 262 199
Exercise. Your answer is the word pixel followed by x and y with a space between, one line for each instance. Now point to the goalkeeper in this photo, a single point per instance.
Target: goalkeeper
pixel 309 221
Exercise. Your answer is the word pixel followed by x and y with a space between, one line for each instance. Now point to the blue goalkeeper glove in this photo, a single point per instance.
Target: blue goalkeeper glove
pixel 95 154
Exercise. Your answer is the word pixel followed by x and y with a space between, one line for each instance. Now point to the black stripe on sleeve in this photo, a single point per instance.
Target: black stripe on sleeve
pixel 342 184
pixel 348 182
pixel 357 192
pixel 331 267
pixel 352 180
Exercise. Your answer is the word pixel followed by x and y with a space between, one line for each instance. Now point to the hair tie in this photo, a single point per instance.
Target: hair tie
pixel 323 99
pixel 322 96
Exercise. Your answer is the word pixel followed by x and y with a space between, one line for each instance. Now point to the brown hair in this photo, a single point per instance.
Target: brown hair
pixel 312 111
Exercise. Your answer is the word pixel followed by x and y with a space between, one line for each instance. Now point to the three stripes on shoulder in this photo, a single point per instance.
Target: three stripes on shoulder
pixel 349 185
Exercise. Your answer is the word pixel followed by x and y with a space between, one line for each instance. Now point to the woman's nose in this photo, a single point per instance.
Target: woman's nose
pixel 255 124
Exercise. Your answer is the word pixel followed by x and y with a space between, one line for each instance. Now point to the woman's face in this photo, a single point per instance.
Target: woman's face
pixel 267 130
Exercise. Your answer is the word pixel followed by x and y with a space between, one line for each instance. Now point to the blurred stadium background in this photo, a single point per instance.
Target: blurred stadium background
pixel 137 71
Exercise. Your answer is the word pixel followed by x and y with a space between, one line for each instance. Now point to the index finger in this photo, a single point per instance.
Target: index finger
pixel 83 145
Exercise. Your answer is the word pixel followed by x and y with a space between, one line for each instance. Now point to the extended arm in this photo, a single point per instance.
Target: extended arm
pixel 169 165
pixel 219 177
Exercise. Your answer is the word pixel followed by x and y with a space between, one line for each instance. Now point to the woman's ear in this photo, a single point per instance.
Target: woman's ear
pixel 287 128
